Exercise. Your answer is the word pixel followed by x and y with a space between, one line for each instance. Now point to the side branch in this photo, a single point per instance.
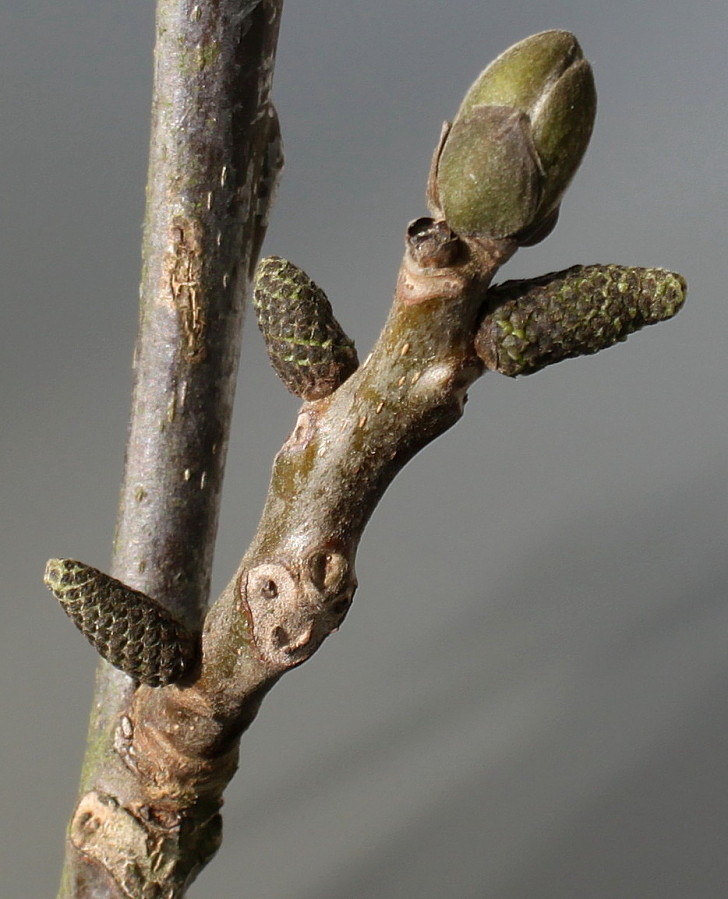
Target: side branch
pixel 297 580
pixel 174 748
pixel 162 753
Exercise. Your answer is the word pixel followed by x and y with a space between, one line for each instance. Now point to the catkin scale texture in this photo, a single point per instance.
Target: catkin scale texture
pixel 575 312
pixel 127 628
pixel 307 346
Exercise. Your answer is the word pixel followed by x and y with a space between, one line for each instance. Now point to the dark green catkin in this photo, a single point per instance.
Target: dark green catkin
pixel 307 346
pixel 576 312
pixel 127 628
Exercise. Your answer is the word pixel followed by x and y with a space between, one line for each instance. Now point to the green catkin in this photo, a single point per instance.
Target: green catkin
pixel 127 628
pixel 307 346
pixel 537 322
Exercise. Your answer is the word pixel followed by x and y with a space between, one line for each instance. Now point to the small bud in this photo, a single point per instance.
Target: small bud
pixel 576 312
pixel 517 140
pixel 127 628
pixel 307 346
pixel 432 244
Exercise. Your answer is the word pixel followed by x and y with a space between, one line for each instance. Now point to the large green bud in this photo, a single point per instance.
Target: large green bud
pixel 517 140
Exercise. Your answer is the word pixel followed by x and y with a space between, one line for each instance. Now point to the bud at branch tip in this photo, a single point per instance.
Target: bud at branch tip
pixel 516 142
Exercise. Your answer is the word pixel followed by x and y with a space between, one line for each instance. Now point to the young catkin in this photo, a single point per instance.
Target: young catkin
pixel 581 310
pixel 127 628
pixel 307 346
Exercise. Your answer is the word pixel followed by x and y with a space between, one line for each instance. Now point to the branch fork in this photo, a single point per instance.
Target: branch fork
pixel 297 580
pixel 175 739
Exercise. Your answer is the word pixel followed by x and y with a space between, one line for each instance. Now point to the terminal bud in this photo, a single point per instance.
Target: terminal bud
pixel 518 138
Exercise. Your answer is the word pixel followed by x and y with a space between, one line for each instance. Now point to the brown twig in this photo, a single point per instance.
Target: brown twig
pixel 148 818
pixel 175 747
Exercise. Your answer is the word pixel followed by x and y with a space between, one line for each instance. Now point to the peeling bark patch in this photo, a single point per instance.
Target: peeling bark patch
pixel 183 269
pixel 132 846
pixel 303 432
pixel 110 835
pixel 124 745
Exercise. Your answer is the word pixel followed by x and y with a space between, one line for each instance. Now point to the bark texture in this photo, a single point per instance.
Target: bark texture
pixel 161 752
pixel 214 158
pixel 150 818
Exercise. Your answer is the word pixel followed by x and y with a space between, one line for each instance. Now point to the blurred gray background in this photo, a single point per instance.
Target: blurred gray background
pixel 529 698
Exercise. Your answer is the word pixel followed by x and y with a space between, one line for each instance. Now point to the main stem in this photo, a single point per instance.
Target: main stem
pixel 214 157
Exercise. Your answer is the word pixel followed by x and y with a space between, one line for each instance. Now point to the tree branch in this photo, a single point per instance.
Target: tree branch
pixel 177 745
pixel 214 157
pixel 148 818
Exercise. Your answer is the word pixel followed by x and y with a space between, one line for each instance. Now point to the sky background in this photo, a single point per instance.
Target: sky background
pixel 528 699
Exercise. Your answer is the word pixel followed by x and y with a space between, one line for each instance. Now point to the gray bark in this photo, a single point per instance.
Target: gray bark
pixel 214 156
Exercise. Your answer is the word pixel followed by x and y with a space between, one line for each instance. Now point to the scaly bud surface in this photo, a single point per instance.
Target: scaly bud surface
pixel 576 312
pixel 306 345
pixel 127 628
pixel 518 138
